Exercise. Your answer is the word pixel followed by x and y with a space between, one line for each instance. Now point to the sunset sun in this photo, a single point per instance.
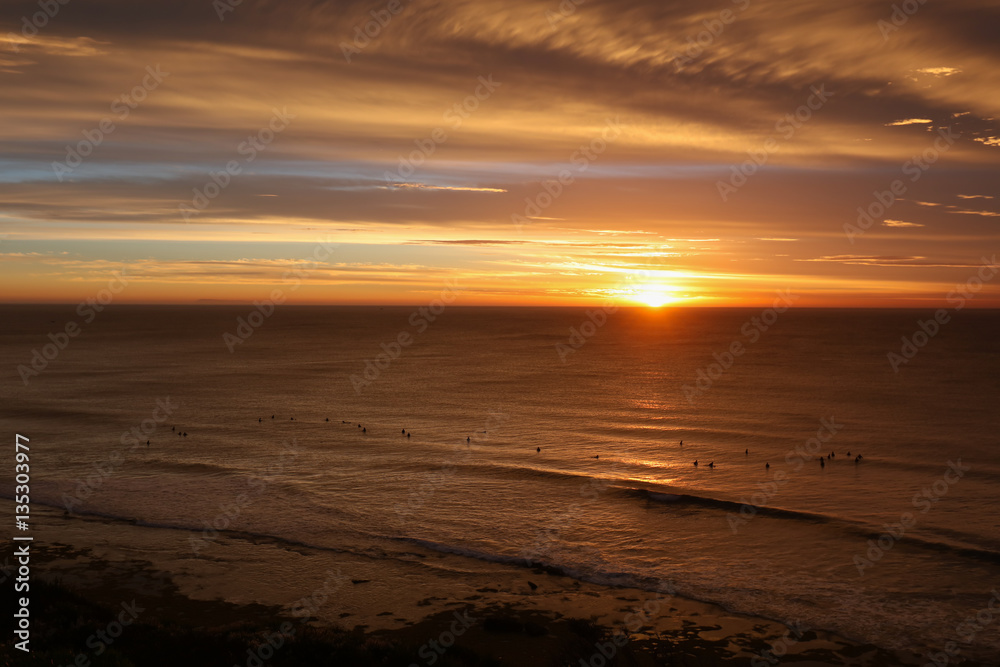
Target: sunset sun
pixel 654 296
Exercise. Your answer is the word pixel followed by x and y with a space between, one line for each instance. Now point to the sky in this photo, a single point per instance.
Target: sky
pixel 532 152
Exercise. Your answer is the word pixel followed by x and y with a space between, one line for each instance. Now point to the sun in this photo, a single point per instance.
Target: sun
pixel 654 296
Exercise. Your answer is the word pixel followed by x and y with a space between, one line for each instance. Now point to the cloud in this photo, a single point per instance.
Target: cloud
pixel 683 128
pixel 939 71
pixel 422 186
pixel 893 261
pixel 985 214
pixel 899 223
pixel 909 121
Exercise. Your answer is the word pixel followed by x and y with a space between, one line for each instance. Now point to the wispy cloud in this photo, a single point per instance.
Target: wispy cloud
pixel 909 121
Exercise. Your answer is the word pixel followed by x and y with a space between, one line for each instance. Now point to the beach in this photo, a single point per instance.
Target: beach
pixel 507 621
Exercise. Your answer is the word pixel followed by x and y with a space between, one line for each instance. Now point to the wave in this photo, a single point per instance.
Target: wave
pixel 729 505
pixel 211 469
pixel 668 496
pixel 599 577
pixel 865 530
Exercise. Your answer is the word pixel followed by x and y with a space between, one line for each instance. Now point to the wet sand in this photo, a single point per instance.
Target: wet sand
pixel 532 618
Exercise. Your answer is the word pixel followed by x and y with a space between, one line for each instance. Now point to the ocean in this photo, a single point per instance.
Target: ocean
pixel 537 436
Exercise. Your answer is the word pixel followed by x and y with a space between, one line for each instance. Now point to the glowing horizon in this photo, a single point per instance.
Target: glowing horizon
pixel 541 153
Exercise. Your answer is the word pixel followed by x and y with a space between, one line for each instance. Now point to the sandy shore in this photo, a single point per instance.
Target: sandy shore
pixel 531 618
